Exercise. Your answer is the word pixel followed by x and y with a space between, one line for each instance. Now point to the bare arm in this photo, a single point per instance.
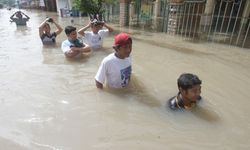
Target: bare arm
pixel 84 49
pixel 98 85
pixel 26 16
pixel 12 17
pixel 41 27
pixel 59 28
pixel 108 27
pixel 82 30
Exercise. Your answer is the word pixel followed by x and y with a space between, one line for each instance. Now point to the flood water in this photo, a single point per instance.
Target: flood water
pixel 50 103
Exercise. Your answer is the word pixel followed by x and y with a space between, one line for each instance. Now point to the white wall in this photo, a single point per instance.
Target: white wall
pixel 67 4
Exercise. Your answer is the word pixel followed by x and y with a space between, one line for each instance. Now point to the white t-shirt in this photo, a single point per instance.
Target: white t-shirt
pixel 66 45
pixel 115 71
pixel 95 41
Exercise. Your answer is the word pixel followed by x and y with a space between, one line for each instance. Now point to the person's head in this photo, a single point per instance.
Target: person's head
pixel 71 32
pixel 96 26
pixel 19 14
pixel 123 45
pixel 189 86
pixel 46 28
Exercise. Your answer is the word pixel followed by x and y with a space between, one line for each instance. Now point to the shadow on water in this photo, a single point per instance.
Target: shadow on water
pixel 203 111
pixel 205 114
pixel 136 89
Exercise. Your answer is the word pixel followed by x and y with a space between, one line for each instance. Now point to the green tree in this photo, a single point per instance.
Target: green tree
pixel 92 6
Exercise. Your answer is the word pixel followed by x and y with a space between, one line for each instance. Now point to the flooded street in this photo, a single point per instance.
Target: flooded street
pixel 50 103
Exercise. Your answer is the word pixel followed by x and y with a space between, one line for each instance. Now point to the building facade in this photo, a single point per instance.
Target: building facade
pixel 224 21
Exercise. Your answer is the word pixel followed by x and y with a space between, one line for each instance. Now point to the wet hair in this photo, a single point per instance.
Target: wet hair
pixel 46 24
pixel 188 81
pixel 96 20
pixel 19 14
pixel 69 29
pixel 97 23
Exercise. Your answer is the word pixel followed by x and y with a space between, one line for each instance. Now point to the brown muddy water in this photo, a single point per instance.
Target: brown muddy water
pixel 50 103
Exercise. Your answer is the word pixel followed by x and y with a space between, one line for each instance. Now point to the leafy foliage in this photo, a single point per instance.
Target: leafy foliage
pixel 90 6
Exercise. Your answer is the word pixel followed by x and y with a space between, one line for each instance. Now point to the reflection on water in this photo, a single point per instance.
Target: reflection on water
pixel 22 30
pixel 50 102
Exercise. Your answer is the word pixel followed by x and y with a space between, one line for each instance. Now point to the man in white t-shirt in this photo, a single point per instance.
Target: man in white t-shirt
pixel 116 68
pixel 72 47
pixel 95 37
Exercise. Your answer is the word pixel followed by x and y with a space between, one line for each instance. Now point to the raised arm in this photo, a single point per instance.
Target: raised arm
pixel 12 17
pixel 82 30
pixel 108 27
pixel 26 16
pixel 41 27
pixel 59 28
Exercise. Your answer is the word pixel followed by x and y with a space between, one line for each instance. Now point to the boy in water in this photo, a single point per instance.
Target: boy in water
pixel 116 67
pixel 95 37
pixel 189 86
pixel 72 47
pixel 19 20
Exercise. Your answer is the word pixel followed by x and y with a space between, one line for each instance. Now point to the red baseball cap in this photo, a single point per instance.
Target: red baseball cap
pixel 122 39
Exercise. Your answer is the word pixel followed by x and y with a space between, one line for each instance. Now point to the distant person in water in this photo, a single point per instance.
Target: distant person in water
pixel 95 37
pixel 72 47
pixel 189 86
pixel 18 18
pixel 44 31
pixel 116 68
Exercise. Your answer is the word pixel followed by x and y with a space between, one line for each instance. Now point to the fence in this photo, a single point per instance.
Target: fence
pixel 227 22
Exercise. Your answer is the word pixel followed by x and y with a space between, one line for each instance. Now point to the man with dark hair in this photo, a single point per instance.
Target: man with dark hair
pixel 97 34
pixel 189 86
pixel 116 69
pixel 72 47
pixel 19 19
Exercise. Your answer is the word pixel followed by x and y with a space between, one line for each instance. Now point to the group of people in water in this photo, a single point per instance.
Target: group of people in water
pixel 115 69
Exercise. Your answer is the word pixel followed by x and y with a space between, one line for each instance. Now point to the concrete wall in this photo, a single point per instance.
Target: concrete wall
pixel 64 4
